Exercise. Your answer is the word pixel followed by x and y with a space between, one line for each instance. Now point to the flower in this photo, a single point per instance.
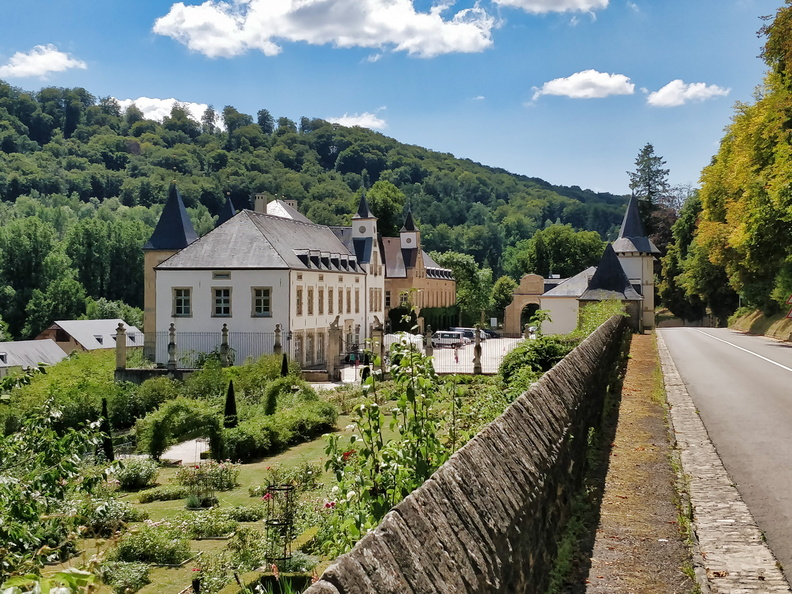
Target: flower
pixel 267 496
pixel 275 571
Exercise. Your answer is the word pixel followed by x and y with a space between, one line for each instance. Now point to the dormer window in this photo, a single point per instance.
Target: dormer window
pixel 99 338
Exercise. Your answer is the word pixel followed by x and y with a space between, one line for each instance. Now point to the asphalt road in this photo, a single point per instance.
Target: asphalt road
pixel 742 388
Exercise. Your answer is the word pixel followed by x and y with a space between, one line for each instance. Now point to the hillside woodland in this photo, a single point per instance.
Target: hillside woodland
pixel 733 244
pixel 82 184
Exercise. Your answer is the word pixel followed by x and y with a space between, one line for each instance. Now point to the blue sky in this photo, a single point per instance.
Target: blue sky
pixel 565 90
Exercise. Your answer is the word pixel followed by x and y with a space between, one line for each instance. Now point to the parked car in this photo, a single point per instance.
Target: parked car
pixel 490 333
pixel 470 333
pixel 447 338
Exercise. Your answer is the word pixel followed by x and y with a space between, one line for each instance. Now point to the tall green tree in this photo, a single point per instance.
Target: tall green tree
pixel 502 294
pixel 474 284
pixel 387 202
pixel 558 249
pixel 649 181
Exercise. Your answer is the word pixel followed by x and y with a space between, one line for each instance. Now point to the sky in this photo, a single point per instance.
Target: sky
pixel 565 90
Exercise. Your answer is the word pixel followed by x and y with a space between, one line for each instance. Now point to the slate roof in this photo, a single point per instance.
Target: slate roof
pixel 98 334
pixel 632 236
pixel 609 281
pixel 278 208
pixel 361 247
pixel 226 212
pixel 573 286
pixel 398 260
pixel 252 240
pixel 174 229
pixel 409 223
pixel 363 211
pixel 394 262
pixel 29 353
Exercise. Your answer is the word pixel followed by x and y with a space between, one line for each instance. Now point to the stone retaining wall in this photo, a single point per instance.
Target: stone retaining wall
pixel 488 519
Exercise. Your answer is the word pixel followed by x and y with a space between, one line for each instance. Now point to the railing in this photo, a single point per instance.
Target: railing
pixel 193 348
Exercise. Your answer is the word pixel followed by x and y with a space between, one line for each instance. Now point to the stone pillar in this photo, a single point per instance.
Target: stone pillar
pixel 171 348
pixel 377 344
pixel 120 347
pixel 277 348
pixel 224 360
pixel 428 349
pixel 333 351
pixel 477 350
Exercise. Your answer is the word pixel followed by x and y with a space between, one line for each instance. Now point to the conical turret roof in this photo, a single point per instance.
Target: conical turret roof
pixel 632 236
pixel 174 229
pixel 610 281
pixel 409 223
pixel 226 212
pixel 363 211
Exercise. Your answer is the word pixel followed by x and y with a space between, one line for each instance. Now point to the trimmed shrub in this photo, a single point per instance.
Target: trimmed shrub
pixel 262 436
pixel 124 577
pixel 163 493
pixel 539 354
pixel 134 474
pixel 153 542
pixel 104 517
pixel 244 513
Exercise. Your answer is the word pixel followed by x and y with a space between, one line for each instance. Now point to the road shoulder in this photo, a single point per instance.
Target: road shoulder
pixel 733 554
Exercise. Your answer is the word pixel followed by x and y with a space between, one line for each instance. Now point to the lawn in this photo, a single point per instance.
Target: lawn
pixel 173 580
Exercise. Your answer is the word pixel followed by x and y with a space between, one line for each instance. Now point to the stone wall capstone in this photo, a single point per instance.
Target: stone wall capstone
pixel 488 520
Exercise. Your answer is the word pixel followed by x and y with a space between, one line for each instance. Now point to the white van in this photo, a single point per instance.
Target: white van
pixel 447 338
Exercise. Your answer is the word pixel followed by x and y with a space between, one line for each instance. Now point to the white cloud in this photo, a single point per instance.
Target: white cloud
pixel 678 93
pixel 156 109
pixel 633 6
pixel 219 28
pixel 588 84
pixel 364 120
pixel 478 98
pixel 40 61
pixel 545 6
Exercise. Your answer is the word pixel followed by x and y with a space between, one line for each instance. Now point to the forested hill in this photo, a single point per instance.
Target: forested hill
pixel 67 157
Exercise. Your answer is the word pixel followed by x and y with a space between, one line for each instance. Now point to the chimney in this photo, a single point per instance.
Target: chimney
pixel 291 203
pixel 260 203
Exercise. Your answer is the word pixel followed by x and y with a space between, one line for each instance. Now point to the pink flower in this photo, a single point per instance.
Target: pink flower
pixel 267 497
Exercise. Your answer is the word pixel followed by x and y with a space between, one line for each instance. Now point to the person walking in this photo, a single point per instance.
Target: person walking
pixel 456 354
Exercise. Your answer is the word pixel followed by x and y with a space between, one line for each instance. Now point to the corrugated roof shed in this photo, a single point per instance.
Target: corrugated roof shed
pixel 29 353
pixel 99 334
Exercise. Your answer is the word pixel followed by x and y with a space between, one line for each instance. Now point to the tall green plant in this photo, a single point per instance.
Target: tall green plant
pixel 374 473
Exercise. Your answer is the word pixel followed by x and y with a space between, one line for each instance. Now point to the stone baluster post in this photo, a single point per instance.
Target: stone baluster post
pixel 121 347
pixel 333 351
pixel 428 348
pixel 224 359
pixel 477 350
pixel 378 344
pixel 277 348
pixel 171 348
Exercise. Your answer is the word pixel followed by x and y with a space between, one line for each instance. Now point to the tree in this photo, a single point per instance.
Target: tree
pixel 386 202
pixel 502 294
pixel 265 121
pixel 558 249
pixel 649 181
pixel 230 413
pixel 209 120
pixel 63 299
pixel 474 284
